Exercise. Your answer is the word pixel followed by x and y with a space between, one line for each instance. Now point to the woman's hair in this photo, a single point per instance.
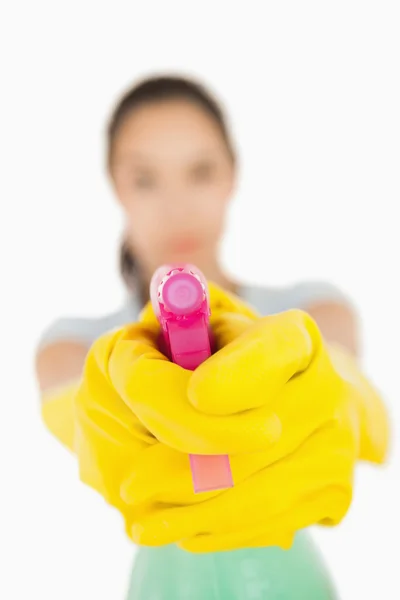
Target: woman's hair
pixel 151 91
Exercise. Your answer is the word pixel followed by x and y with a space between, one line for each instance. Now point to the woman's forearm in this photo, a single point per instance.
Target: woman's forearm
pixel 58 364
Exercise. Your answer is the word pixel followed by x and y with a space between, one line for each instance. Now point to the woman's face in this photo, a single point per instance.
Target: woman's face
pixel 173 175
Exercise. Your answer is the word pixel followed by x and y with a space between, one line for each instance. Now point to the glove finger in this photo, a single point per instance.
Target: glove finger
pixel 253 537
pixel 98 404
pixel 328 505
pixel 250 371
pixel 162 475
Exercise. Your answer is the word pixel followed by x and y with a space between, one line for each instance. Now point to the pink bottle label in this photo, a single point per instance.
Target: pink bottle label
pixel 210 472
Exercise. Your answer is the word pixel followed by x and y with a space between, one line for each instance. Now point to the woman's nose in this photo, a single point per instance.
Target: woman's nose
pixel 178 206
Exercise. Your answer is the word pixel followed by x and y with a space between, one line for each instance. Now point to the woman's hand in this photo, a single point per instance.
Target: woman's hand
pixel 270 397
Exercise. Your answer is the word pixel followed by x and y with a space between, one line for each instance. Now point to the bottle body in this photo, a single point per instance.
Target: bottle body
pixel 169 573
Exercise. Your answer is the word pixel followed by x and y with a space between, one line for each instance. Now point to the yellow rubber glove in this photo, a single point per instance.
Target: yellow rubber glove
pixel 293 423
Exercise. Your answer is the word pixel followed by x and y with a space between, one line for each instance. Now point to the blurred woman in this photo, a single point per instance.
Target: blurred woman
pixel 173 167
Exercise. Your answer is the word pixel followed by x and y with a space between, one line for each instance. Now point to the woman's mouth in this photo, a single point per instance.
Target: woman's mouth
pixel 187 245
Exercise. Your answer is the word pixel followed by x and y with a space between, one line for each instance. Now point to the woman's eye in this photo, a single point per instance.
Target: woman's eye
pixel 203 173
pixel 145 182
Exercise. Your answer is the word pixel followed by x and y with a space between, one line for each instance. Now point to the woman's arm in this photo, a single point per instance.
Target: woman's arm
pixel 337 323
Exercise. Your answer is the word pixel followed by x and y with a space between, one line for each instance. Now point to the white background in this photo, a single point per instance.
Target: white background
pixel 312 89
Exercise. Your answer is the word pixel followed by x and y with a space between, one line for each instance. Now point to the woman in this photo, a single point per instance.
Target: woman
pixel 173 166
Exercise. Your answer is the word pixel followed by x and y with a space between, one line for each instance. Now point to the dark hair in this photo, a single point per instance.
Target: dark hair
pixel 155 90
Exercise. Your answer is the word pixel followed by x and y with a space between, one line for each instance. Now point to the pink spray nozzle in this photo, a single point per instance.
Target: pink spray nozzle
pixel 182 293
pixel 180 298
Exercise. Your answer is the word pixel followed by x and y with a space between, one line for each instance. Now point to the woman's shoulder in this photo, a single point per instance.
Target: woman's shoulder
pixel 86 330
pixel 270 300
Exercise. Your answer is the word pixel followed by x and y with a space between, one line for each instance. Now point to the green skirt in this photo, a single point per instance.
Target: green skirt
pixel 169 573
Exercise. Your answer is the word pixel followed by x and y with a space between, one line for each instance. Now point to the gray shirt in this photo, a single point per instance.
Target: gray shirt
pixel 265 300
